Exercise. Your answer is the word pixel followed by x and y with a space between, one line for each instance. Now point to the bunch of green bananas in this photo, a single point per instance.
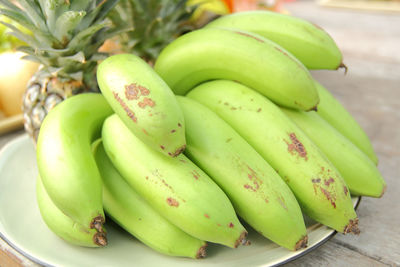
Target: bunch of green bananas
pixel 261 139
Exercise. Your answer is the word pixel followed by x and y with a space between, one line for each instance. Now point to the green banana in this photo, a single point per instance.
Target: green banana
pixel 175 187
pixel 306 41
pixel 215 53
pixel 333 112
pixel 133 214
pixel 143 101
pixel 65 161
pixel 256 191
pixel 319 189
pixel 63 226
pixel 359 172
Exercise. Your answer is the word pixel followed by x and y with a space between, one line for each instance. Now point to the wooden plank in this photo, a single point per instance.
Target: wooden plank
pixel 328 256
pixel 385 6
pixel 9 259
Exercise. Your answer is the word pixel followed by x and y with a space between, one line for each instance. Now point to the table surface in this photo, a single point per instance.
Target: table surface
pixel 370 44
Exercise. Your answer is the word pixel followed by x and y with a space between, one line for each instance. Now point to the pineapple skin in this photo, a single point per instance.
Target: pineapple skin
pixel 43 93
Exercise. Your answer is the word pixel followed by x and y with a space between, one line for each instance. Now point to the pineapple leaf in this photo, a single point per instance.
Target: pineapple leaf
pixel 19 17
pixel 11 6
pixel 66 24
pixel 33 11
pixel 99 56
pixel 32 55
pixel 31 58
pixel 81 39
pixel 79 5
pixel 77 76
pixel 20 35
pixel 97 14
pixel 78 58
pixel 42 37
pixel 106 7
pixel 52 9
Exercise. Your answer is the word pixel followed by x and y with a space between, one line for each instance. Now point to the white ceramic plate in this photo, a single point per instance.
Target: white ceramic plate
pixel 22 227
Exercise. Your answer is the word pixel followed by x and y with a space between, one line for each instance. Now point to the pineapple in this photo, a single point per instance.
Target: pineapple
pixel 155 24
pixel 67 35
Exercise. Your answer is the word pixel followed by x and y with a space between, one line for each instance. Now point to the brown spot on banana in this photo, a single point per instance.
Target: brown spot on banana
pixel 132 91
pixel 128 111
pixel 328 196
pixel 329 181
pixel 345 190
pixel 297 146
pixel 146 102
pixel 172 202
pixel 195 174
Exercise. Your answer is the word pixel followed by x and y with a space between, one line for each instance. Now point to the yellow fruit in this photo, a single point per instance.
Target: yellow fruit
pixel 207 10
pixel 14 76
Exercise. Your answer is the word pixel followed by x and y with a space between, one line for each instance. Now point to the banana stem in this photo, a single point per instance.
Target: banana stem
pixel 342 65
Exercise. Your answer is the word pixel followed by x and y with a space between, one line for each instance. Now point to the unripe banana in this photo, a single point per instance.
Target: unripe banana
pixel 335 114
pixel 132 213
pixel 63 226
pixel 65 161
pixel 143 101
pixel 215 53
pixel 359 172
pixel 256 191
pixel 319 189
pixel 176 188
pixel 306 41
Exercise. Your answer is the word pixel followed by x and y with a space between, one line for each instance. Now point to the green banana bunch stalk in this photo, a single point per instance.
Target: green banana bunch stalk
pixel 359 172
pixel 63 226
pixel 133 214
pixel 175 187
pixel 66 165
pixel 318 187
pixel 306 41
pixel 333 112
pixel 256 191
pixel 143 101
pixel 215 53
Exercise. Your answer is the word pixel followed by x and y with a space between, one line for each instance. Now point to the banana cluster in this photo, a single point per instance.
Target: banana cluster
pixel 228 123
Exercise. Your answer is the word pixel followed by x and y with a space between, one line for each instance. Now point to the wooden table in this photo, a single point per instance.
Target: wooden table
pixel 371 92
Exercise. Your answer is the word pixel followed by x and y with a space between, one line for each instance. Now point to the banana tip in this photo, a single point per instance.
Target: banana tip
pixel 241 239
pixel 383 190
pixel 100 239
pixel 201 253
pixel 352 227
pixel 342 65
pixel 302 243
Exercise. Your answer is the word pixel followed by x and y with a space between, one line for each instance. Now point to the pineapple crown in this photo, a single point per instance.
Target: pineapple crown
pixel 66 34
pixel 154 23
